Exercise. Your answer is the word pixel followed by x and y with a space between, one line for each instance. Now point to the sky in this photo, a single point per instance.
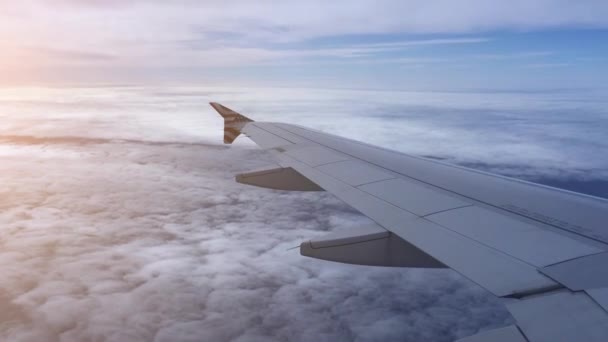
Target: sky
pixel 381 44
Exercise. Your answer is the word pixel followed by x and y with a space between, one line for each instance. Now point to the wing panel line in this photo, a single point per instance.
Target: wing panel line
pixel 454 192
pixel 305 169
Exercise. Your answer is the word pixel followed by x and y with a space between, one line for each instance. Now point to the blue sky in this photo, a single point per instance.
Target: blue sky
pixel 552 59
pixel 439 44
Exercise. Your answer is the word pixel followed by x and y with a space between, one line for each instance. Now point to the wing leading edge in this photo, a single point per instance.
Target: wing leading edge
pixel 543 248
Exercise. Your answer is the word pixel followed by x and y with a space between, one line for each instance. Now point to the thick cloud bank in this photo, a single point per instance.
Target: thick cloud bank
pixel 119 221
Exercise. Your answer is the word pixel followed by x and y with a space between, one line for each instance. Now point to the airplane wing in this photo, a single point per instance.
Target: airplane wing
pixel 544 250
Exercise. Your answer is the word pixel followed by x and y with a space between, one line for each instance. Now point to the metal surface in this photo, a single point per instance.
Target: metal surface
pixel 581 214
pixel 523 241
pixel 370 245
pixel 274 130
pixel 415 198
pixel 315 155
pixel 264 139
pixel 233 122
pixel 506 334
pixel 514 238
pixel 583 273
pixel 561 317
pixel 495 271
pixel 600 295
pixel 278 179
pixel 355 172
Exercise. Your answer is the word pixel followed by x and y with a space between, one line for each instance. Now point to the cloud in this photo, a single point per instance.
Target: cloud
pixel 158 34
pixel 291 18
pixel 133 241
pixel 121 219
pixel 72 55
pixel 462 59
pixel 225 56
pixel 548 65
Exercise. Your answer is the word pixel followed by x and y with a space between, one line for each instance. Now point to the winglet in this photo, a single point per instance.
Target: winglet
pixel 233 122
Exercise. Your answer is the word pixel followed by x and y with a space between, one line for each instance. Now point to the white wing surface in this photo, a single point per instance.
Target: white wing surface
pixel 543 249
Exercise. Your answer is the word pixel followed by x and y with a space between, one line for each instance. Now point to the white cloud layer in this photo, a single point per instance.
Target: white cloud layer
pixel 136 242
pixel 120 222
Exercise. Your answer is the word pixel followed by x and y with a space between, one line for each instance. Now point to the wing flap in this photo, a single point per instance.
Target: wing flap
pixel 283 178
pixel 371 246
